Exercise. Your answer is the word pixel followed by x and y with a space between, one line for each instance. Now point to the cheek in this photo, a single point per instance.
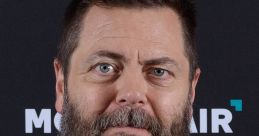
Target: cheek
pixel 90 99
pixel 169 105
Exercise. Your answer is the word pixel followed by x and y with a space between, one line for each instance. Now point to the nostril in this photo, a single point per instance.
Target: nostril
pixel 141 102
pixel 131 98
pixel 122 101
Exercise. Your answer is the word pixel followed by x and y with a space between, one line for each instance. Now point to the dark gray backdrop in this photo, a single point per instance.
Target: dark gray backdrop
pixel 228 32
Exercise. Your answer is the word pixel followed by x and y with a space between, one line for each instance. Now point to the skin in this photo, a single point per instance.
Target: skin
pixel 134 43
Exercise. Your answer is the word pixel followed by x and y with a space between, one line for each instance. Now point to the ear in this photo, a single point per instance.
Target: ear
pixel 59 85
pixel 194 83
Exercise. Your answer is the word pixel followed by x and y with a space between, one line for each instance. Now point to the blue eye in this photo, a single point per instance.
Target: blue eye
pixel 158 72
pixel 105 68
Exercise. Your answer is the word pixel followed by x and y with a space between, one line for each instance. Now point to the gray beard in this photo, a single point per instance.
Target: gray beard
pixel 74 124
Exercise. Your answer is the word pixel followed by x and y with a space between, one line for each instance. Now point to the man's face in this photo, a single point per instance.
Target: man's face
pixel 128 76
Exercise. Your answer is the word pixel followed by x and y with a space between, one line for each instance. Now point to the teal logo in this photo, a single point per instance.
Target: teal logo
pixel 237 104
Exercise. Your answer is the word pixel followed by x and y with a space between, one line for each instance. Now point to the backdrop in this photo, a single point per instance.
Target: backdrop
pixel 227 94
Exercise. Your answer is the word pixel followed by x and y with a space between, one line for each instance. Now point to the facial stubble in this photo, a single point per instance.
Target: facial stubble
pixel 73 123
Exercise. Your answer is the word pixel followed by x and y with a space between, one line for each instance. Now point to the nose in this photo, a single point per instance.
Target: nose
pixel 131 90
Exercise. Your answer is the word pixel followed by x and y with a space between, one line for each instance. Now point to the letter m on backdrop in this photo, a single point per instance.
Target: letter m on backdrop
pixel 33 120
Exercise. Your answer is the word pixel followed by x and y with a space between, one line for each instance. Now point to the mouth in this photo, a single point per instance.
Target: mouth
pixel 131 131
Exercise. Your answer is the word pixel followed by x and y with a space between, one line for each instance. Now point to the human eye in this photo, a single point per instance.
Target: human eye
pixel 159 76
pixel 159 73
pixel 105 69
pixel 102 72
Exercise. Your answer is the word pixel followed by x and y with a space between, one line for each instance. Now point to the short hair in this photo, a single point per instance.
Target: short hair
pixel 78 8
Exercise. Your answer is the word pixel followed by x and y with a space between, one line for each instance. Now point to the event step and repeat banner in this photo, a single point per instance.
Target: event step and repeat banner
pixel 227 94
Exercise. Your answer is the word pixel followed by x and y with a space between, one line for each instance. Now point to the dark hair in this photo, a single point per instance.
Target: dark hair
pixel 78 8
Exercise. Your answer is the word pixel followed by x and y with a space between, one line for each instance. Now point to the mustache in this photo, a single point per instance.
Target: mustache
pixel 128 117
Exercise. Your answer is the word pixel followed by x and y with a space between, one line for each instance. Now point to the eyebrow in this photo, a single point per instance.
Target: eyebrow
pixel 107 54
pixel 162 60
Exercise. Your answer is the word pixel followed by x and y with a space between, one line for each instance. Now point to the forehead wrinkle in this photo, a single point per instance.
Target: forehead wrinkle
pixel 160 43
pixel 111 37
pixel 101 28
pixel 158 60
pixel 139 58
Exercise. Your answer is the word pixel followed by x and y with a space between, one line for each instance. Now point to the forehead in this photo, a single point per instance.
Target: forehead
pixel 149 32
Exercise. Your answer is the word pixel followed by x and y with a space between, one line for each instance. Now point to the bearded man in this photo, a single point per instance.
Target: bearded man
pixel 127 68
